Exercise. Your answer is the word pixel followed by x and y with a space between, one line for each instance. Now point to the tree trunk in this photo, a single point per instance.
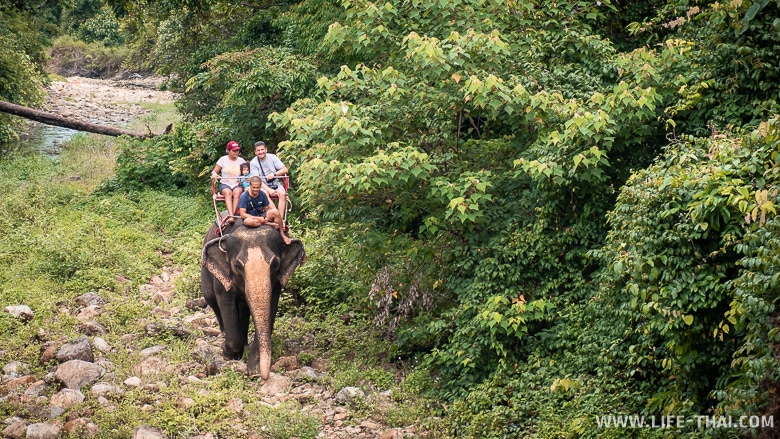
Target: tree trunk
pixel 53 119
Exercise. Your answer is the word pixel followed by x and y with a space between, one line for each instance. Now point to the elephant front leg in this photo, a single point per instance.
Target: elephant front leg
pixel 235 316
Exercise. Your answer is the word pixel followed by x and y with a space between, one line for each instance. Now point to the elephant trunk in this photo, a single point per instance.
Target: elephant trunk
pixel 258 295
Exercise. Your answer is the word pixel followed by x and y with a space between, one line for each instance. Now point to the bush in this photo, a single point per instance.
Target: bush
pixel 71 57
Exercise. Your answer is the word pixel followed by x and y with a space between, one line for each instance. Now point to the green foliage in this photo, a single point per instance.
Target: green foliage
pixel 21 74
pixel 69 57
pixel 675 252
pixel 152 164
pixel 727 75
pixel 102 27
pixel 512 191
pixel 240 89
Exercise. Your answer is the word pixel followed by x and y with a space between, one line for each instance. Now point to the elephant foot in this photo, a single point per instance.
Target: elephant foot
pixel 253 360
pixel 230 355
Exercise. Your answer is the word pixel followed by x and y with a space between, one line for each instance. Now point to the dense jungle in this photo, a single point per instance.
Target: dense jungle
pixel 522 219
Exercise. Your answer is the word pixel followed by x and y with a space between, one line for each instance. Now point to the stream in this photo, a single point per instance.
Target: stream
pixel 112 102
pixel 44 139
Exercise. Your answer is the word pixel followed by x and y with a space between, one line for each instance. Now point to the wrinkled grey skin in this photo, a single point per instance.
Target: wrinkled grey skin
pixel 242 275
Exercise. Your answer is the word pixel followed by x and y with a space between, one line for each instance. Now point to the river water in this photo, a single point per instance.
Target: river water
pixel 105 102
pixel 44 139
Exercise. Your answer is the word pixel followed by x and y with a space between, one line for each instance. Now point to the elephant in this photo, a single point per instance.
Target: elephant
pixel 242 273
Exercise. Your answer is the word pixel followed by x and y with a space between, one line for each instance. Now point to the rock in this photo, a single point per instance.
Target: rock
pixel 43 430
pixel 101 344
pixel 154 350
pixel 89 313
pixel 349 395
pixel 48 352
pixel 276 384
pixel 151 366
pixel 285 364
pixel 17 430
pixel 133 382
pixel 20 312
pixel 80 349
pixel 194 304
pixel 147 432
pixel 81 427
pixel 392 434
pixel 51 412
pixel 235 405
pixel 184 402
pixel 93 328
pixel 67 398
pixel 16 368
pixel 90 298
pixel 76 373
pixel 20 381
pixel 106 390
pixel 37 389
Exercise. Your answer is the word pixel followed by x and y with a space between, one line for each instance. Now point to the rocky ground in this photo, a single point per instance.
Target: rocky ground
pixel 84 367
pixel 113 102
pixel 50 406
pixel 110 102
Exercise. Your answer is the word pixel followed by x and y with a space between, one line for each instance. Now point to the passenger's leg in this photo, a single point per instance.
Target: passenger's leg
pixel 236 195
pixel 274 216
pixel 228 194
pixel 282 193
pixel 267 191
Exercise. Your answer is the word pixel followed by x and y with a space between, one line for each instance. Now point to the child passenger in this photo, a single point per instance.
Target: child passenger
pixel 244 178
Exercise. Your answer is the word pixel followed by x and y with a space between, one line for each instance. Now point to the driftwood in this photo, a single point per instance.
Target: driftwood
pixel 54 119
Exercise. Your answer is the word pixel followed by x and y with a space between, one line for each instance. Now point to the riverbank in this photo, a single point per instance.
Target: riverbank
pixel 116 102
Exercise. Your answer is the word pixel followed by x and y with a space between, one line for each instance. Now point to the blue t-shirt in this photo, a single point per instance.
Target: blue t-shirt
pixel 244 179
pixel 253 206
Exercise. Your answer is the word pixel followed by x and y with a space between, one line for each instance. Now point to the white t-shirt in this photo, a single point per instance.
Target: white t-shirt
pixel 230 171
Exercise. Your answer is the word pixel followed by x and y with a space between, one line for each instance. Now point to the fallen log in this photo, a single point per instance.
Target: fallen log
pixel 54 119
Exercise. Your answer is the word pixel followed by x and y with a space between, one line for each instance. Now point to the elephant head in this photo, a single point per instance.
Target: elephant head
pixel 242 275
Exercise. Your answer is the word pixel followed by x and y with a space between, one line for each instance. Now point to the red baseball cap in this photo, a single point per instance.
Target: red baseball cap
pixel 232 146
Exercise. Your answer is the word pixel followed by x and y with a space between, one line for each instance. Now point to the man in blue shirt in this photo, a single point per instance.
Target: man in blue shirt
pixel 256 210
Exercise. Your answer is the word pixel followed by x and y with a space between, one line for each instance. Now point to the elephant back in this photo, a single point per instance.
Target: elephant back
pixel 229 228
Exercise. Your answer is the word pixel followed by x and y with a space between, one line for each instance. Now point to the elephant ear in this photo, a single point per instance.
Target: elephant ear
pixel 216 261
pixel 293 255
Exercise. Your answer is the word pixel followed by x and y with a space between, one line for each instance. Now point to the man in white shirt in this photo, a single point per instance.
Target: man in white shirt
pixel 269 167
